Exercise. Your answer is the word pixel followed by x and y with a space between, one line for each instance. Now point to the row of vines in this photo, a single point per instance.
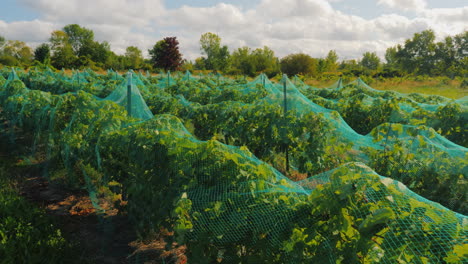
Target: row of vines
pixel 209 166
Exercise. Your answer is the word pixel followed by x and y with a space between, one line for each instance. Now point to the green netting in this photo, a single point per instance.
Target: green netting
pixel 205 157
pixel 364 108
pixel 128 95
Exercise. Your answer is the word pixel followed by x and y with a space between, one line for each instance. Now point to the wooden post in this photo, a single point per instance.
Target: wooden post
pixel 168 74
pixel 285 121
pixel 129 94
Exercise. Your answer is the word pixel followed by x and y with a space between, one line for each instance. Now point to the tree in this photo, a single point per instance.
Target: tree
pixel 242 61
pixel 265 61
pixel 349 65
pixel 329 64
pixel 134 57
pixel 165 54
pixel 78 37
pixel 461 51
pixel 460 43
pixel 246 61
pixel 221 61
pixel 2 42
pixel 217 56
pixel 63 57
pixel 116 62
pixel 422 55
pixel 42 53
pixel 18 50
pixel 14 53
pixel 391 57
pixel 299 63
pixel 445 62
pixel 451 55
pixel 418 54
pixel 62 51
pixel 200 63
pixel 331 61
pixel 58 39
pixel 210 44
pixel 84 50
pixel 95 51
pixel 186 65
pixel 370 61
pixel 352 67
pixel 8 60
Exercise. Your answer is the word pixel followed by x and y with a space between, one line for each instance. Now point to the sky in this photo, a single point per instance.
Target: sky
pixel 350 27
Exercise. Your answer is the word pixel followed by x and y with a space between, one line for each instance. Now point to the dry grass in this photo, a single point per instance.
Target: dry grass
pixel 432 86
pixel 450 89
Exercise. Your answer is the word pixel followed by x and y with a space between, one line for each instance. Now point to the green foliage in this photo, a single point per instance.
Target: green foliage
pixel 417 55
pixel 165 54
pixel 254 62
pixel 331 62
pixel 63 57
pixel 15 53
pixel 94 51
pixel 370 61
pixel 443 184
pixel 451 121
pixel 225 202
pixel 78 37
pixel 300 63
pixel 27 235
pixel 464 83
pixel 42 54
pixel 364 108
pixel 217 56
pixel 134 57
pixel 74 46
pixel 352 217
pixel 9 60
pixel 422 55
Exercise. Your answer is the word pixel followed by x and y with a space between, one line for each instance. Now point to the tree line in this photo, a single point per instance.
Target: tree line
pixel 74 46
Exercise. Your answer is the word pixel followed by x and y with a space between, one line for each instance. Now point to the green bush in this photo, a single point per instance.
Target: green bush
pixel 27 235
pixel 464 83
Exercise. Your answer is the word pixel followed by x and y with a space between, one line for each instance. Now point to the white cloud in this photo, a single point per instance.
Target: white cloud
pixel 286 26
pixel 405 5
pixel 448 16
pixel 202 19
pixel 398 27
pixel 291 8
pixel 117 12
pixel 32 32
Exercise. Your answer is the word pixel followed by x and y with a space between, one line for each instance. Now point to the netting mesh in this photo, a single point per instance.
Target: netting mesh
pixel 207 157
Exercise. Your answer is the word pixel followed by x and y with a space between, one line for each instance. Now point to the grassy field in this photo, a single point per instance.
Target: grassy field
pixel 450 89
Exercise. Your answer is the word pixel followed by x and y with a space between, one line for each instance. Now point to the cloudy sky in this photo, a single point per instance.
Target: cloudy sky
pixel 351 27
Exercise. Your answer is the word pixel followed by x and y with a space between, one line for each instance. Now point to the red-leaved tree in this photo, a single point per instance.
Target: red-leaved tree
pixel 165 54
